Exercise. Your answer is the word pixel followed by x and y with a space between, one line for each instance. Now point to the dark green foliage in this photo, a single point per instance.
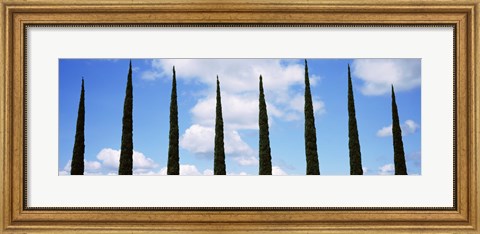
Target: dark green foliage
pixel 398 153
pixel 77 166
pixel 219 151
pixel 126 154
pixel 173 157
pixel 310 131
pixel 265 158
pixel 353 142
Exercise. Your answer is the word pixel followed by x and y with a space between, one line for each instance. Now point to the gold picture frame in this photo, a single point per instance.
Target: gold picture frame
pixel 16 14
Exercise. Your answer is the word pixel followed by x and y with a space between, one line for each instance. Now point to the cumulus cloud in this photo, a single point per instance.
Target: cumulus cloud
pixel 63 173
pixel 283 82
pixel 240 111
pixel 409 127
pixel 185 169
pixel 110 158
pixel 240 74
pixel 189 170
pixel 239 85
pixel 108 163
pixel 200 141
pixel 90 167
pixel 379 74
pixel 237 174
pixel 388 169
pixel 276 170
pixel 246 160
pixel 385 131
pixel 208 172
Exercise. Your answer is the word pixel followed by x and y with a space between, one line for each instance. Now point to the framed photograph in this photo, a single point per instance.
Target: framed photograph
pixel 239 116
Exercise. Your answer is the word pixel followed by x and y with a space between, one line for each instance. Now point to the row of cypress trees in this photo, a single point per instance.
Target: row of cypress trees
pixel 265 165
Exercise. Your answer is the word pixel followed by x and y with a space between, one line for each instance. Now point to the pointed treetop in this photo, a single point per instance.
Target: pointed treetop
pixel 393 91
pixel 261 83
pixel 349 68
pixel 173 69
pixel 130 63
pixel 306 70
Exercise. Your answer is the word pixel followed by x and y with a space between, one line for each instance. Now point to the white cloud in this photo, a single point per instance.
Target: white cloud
pixel 236 75
pixel 283 82
pixel 379 74
pixel 200 141
pixel 238 111
pixel 239 86
pixel 245 160
pixel 163 171
pixel 92 173
pixel 189 170
pixel 276 170
pixel 64 173
pixel 110 158
pixel 208 172
pixel 92 165
pixel 409 127
pixel 385 131
pixel 185 169
pixel 237 174
pixel 388 169
pixel 149 75
pixel 68 166
pixel 365 170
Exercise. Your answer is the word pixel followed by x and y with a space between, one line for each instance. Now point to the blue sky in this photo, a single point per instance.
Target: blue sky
pixel 105 81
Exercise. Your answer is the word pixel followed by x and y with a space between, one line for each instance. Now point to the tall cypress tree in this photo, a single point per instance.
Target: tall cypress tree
pixel 353 142
pixel 265 158
pixel 126 154
pixel 219 151
pixel 77 166
pixel 173 157
pixel 398 153
pixel 310 131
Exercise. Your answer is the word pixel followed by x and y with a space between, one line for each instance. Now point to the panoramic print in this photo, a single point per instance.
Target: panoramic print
pixel 202 117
